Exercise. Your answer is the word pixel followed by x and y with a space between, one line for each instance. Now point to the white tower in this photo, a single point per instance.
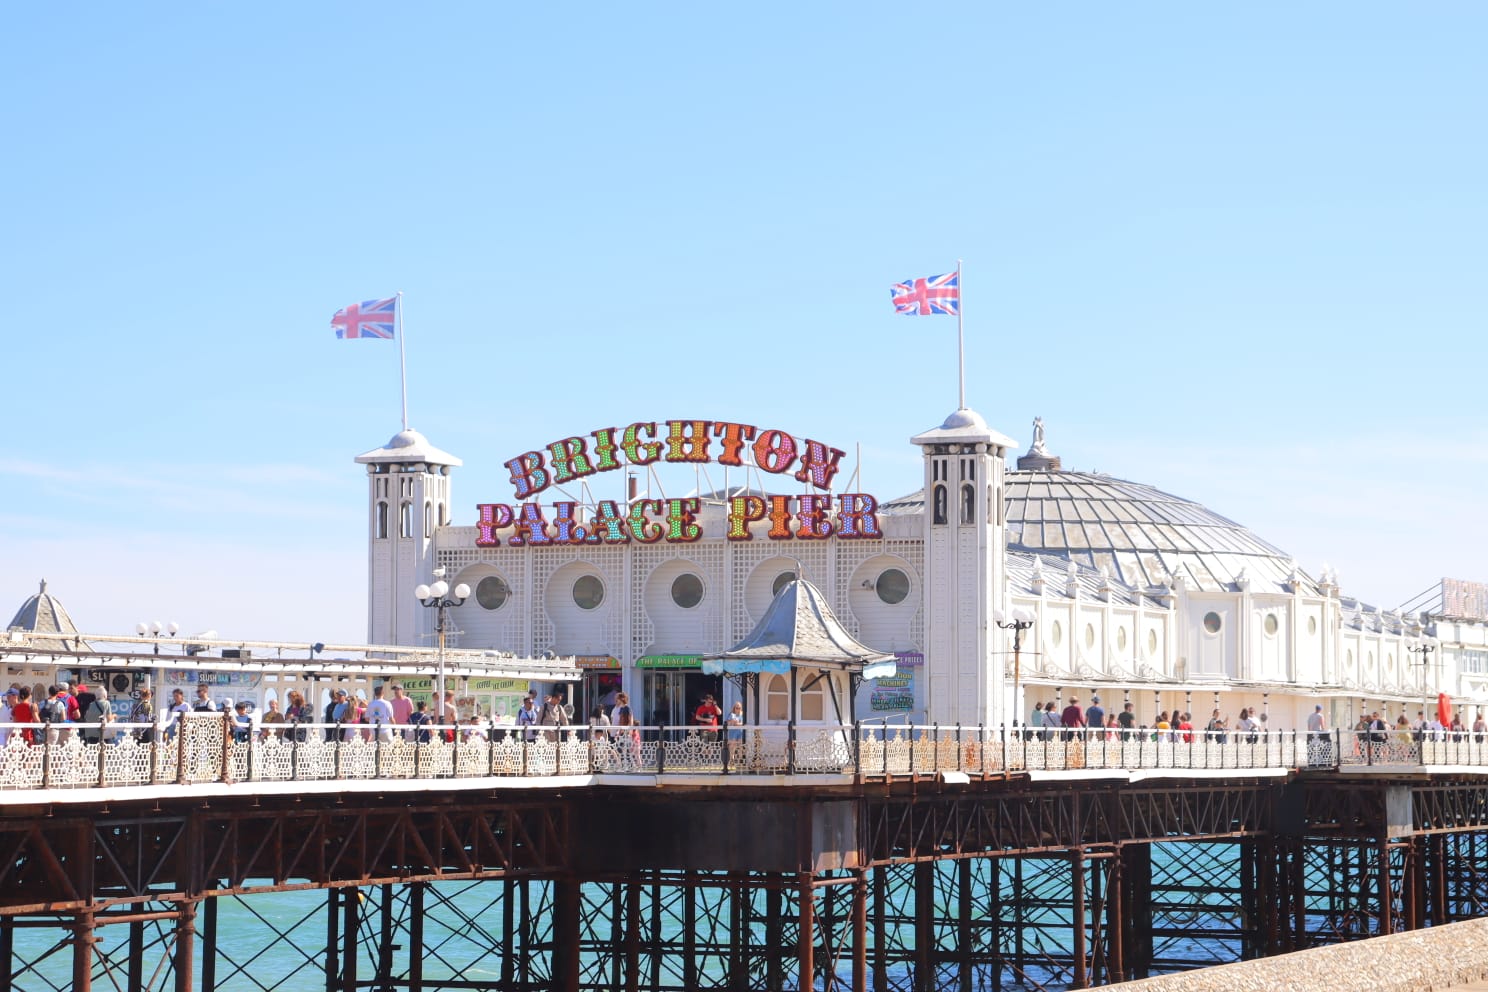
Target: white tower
pixel 964 567
pixel 408 500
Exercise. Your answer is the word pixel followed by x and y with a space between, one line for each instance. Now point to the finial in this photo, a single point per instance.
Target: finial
pixel 1038 458
pixel 43 588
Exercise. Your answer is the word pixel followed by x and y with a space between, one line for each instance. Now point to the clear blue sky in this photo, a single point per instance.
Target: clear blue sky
pixel 1236 253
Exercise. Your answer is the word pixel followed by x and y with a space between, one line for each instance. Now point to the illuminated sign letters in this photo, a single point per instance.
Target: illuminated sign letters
pixel 808 517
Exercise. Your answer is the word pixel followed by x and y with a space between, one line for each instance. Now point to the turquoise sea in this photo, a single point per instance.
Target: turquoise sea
pixel 279 940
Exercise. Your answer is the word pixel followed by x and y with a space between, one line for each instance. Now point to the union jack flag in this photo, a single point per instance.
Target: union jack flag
pixel 937 294
pixel 367 319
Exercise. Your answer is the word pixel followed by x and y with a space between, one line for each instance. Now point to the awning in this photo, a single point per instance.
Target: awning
pixel 745 666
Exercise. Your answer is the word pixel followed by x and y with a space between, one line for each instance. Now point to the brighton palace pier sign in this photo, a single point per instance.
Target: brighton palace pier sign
pixel 809 516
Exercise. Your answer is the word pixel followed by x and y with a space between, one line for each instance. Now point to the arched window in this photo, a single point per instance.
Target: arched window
pixel 777 699
pixel 968 505
pixel 428 519
pixel 940 505
pixel 382 520
pixel 405 520
pixel 813 701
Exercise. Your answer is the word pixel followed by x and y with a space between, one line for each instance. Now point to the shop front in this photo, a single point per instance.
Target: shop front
pixel 598 686
pixel 673 686
pixel 484 699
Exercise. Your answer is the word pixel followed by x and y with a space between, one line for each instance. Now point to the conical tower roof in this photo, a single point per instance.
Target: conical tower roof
pixel 799 626
pixel 41 615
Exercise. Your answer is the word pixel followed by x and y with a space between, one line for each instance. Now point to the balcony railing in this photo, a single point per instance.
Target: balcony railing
pixel 208 748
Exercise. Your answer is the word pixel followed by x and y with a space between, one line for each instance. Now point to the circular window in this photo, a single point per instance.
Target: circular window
pixel 1271 625
pixel 1056 633
pixel 1312 625
pixel 588 592
pixel 1212 623
pixel 781 581
pixel 492 593
pixel 892 586
pixel 1089 635
pixel 687 590
pixel 1152 642
pixel 1120 638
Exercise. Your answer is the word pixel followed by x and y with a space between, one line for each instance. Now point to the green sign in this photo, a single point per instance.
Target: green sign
pixel 669 661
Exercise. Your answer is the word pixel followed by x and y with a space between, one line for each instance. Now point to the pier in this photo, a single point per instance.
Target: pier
pixel 855 857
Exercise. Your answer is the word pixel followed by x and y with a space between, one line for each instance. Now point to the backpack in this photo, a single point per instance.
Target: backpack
pixel 54 711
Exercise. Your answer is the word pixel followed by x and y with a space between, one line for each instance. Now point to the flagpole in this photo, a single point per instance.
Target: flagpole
pixel 403 359
pixel 960 333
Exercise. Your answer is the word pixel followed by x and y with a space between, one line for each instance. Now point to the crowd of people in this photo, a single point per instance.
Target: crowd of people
pixel 1048 722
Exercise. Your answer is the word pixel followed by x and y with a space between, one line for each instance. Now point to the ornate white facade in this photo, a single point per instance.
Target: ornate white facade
pixel 1136 595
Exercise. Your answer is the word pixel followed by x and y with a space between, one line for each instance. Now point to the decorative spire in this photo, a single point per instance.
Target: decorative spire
pixel 1038 458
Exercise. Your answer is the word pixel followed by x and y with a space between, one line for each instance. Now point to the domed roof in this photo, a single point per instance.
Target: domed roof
pixel 1142 535
pixel 43 613
pixel 408 446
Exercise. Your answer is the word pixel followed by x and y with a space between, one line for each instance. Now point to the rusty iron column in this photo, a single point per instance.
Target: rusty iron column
pixel 806 943
pixel 416 891
pixel 860 931
pixel 209 945
pixel 1116 920
pixel 566 934
pixel 83 939
pixel 738 952
pixel 350 934
pixel 1440 903
pixel 1386 895
pixel 333 940
pixel 7 952
pixel 880 928
pixel 135 975
pixel 185 945
pixel 632 935
pixel 1081 979
pixel 924 949
pixel 774 936
pixel 1413 896
pixel 963 923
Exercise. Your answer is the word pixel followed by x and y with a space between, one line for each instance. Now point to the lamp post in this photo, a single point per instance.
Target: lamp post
pixel 1020 621
pixel 144 630
pixel 441 597
pixel 1424 650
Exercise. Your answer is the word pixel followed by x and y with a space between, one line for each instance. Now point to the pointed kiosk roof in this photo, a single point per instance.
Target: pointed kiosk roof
pixel 44 614
pixel 800 628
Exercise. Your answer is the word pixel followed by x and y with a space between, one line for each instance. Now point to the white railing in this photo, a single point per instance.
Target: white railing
pixel 207 748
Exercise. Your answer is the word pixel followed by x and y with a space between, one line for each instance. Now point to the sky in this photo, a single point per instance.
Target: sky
pixel 1232 251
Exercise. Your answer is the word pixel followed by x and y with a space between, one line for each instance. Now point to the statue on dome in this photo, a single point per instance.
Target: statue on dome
pixel 1037 447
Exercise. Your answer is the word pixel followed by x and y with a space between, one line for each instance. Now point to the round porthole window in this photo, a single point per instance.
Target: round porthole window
pixel 492 593
pixel 1271 625
pixel 1212 623
pixel 588 592
pixel 1056 633
pixel 892 586
pixel 781 581
pixel 687 590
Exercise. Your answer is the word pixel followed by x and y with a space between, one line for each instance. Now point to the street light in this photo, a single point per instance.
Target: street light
pixel 156 629
pixel 440 597
pixel 1020 621
pixel 1424 649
